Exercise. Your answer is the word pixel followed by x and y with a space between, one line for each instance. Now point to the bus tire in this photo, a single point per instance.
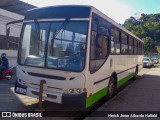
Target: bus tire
pixel 111 87
pixel 136 74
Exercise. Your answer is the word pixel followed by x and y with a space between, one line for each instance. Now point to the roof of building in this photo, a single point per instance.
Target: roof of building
pixel 16 6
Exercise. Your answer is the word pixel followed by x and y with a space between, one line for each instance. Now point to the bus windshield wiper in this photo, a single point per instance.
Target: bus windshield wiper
pixel 61 28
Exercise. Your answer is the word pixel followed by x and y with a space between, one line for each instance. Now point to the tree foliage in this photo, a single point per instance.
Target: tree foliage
pixel 147 27
pixel 158 49
pixel 149 45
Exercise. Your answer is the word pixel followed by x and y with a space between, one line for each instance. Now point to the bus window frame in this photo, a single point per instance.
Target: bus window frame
pixel 108 38
pixel 119 36
pixel 46 48
pixel 122 32
pixel 132 45
pixel 134 42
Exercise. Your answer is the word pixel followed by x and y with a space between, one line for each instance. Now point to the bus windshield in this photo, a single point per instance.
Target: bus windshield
pixel 58 45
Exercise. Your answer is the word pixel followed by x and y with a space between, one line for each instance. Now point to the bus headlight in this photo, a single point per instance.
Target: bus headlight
pixel 78 90
pixel 71 90
pixel 74 90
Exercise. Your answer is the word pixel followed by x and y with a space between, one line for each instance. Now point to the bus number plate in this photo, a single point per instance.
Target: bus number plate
pixel 21 90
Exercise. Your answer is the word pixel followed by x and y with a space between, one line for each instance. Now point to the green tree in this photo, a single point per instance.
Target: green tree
pixel 149 45
pixel 147 27
pixel 158 49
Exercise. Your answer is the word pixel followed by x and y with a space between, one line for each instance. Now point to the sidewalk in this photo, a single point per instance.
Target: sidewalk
pixel 141 95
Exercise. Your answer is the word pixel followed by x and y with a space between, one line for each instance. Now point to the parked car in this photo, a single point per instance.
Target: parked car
pixel 152 63
pixel 155 60
pixel 147 62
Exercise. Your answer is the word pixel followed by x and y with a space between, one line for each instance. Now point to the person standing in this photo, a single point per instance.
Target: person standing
pixel 4 64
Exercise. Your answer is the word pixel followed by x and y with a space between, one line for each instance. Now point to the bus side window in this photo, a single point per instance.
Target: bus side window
pixel 130 45
pixel 139 48
pixel 135 47
pixel 99 50
pixel 115 43
pixel 142 49
pixel 101 46
pixel 124 44
pixel 99 43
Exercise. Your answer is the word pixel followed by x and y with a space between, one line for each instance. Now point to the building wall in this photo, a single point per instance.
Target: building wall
pixel 7 47
pixel 7 16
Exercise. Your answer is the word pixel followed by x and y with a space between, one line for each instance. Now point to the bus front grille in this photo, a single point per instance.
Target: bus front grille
pixel 49 88
pixel 45 95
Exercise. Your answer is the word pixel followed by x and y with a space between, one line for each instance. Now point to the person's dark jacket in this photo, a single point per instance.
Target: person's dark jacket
pixel 5 62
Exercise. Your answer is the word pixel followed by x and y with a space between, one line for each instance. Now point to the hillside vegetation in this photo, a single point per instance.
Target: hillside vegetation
pixel 147 27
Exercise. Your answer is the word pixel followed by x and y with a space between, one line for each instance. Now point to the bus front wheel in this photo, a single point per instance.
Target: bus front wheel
pixel 111 87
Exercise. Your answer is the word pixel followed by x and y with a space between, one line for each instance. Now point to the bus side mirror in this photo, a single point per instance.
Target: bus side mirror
pixel 7 32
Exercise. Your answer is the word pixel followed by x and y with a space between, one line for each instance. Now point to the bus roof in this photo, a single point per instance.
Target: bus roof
pixel 77 11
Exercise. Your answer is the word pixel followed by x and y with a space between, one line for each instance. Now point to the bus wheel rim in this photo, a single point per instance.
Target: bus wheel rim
pixel 111 88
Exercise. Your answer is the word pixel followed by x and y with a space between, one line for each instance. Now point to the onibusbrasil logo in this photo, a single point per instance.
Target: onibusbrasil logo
pixel 20 114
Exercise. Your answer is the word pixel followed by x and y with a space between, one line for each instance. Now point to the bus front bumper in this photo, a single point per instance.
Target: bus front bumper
pixel 73 100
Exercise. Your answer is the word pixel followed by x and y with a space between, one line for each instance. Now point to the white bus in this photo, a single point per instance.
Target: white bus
pixel 82 54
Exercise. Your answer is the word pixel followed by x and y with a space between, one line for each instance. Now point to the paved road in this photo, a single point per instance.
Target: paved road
pixel 141 95
pixel 9 101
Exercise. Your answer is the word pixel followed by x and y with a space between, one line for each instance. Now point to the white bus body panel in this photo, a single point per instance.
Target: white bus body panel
pixel 120 62
pixel 123 65
pixel 53 86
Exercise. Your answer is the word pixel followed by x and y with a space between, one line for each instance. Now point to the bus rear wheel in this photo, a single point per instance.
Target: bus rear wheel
pixel 111 87
pixel 136 74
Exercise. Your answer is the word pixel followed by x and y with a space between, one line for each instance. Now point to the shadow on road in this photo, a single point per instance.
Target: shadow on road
pixel 9 101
